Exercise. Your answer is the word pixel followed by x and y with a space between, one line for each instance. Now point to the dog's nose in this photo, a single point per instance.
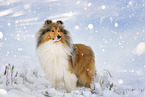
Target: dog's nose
pixel 58 36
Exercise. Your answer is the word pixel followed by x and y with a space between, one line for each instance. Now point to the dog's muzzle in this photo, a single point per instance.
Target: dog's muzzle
pixel 58 37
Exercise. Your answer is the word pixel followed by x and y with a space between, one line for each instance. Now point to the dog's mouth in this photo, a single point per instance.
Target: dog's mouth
pixel 58 38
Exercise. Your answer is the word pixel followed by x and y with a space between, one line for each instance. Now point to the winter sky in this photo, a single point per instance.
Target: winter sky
pixel 115 29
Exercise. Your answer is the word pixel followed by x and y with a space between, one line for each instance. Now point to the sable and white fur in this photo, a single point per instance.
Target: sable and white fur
pixel 63 61
pixel 54 61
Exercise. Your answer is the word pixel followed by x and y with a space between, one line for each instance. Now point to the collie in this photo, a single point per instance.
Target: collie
pixel 62 61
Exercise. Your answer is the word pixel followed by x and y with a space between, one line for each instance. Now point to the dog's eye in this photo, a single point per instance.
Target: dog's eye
pixel 58 31
pixel 52 30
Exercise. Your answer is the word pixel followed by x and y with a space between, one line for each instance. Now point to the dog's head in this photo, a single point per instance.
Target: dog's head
pixel 53 31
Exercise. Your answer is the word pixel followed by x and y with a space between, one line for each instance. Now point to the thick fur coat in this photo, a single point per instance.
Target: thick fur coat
pixel 62 61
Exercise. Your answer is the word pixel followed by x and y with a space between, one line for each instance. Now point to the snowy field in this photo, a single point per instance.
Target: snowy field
pixel 114 29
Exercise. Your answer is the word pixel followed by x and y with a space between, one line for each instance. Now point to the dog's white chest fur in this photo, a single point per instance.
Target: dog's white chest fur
pixel 53 58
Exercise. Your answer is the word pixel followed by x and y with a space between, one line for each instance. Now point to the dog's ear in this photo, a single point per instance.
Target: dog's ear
pixel 48 22
pixel 60 22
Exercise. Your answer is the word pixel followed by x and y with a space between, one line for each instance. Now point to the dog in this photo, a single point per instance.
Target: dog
pixel 63 61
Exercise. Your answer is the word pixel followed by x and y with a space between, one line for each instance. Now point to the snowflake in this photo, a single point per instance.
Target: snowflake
pixel 116 24
pixel 1 35
pixel 140 49
pixel 9 24
pixel 103 7
pixel 103 50
pixel 89 4
pixel 78 2
pixel 20 49
pixel 130 3
pixel 90 26
pixel 76 27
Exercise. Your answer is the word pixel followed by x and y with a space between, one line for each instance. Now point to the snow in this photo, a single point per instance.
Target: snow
pixel 90 26
pixel 76 27
pixel 1 35
pixel 103 7
pixel 116 24
pixel 33 83
pixel 140 49
pixel 78 2
pixel 114 30
pixel 130 3
pixel 89 4
pixel 20 49
pixel 9 24
pixel 3 92
pixel 120 81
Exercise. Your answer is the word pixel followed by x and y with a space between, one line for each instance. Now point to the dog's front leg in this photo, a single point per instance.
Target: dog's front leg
pixel 70 81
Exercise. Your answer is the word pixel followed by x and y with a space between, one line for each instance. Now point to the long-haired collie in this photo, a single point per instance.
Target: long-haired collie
pixel 62 61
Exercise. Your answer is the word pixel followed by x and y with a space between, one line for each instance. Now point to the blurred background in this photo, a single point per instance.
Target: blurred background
pixel 114 29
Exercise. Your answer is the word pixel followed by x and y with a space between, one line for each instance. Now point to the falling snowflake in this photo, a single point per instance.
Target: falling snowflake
pixel 116 24
pixel 130 3
pixel 140 49
pixel 78 2
pixel 76 27
pixel 20 49
pixel 90 26
pixel 9 24
pixel 1 35
pixel 89 4
pixel 103 7
pixel 103 50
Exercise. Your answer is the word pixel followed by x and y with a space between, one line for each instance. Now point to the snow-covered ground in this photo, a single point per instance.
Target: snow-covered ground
pixel 34 83
pixel 114 29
